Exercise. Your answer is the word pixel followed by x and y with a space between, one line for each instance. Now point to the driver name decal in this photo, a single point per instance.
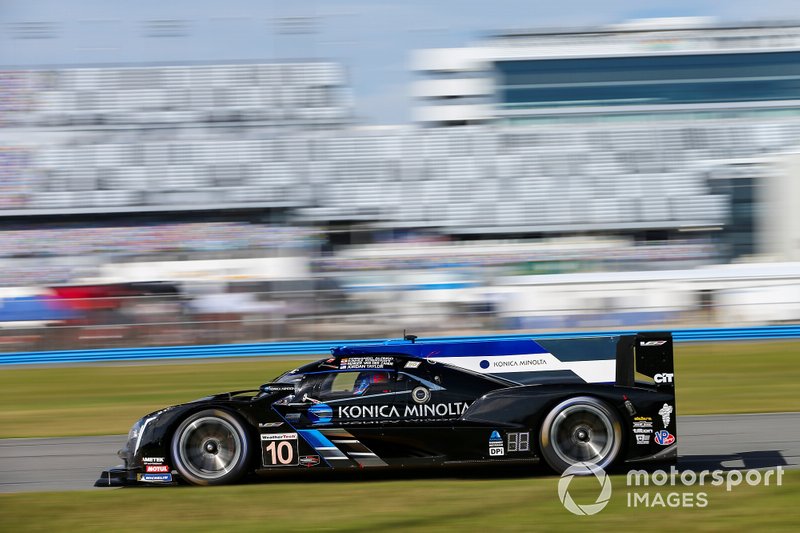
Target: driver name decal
pixel 351 363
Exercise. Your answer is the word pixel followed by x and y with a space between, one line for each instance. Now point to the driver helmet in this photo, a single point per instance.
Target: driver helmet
pixel 365 379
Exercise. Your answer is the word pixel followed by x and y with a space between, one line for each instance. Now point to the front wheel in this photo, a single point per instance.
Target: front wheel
pixel 210 448
pixel 581 430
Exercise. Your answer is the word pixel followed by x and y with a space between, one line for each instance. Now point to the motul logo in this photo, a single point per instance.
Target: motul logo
pixel 157 468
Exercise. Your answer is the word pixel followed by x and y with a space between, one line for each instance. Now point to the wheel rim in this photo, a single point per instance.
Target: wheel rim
pixel 582 433
pixel 210 447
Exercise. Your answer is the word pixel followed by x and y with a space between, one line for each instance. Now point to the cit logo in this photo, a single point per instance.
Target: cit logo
pixel 664 377
pixel 584 469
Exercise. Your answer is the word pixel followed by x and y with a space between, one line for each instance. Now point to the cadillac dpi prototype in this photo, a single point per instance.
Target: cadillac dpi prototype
pixel 600 400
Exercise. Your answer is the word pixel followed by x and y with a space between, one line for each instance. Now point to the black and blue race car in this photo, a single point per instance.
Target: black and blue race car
pixel 408 403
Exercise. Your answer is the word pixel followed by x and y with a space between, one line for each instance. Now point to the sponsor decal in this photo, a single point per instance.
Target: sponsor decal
pixel 292 417
pixel 496 445
pixel 412 364
pixel 519 442
pixel 278 436
pixel 309 460
pixel 154 478
pixel 366 362
pixel 664 437
pixel 156 468
pixel 156 460
pixel 513 363
pixel 652 343
pixel 665 413
pixel 642 428
pixel 269 424
pixel 279 449
pixel 278 387
pixel 320 413
pixel 595 371
pixel 663 377
pixel 436 410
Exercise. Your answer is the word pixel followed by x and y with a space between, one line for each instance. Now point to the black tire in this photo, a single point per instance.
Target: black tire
pixel 211 447
pixel 581 430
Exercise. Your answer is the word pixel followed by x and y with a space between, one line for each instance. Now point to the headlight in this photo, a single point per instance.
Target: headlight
pixel 138 430
pixel 137 427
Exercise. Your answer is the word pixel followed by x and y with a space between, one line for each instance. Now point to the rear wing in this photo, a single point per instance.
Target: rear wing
pixel 647 356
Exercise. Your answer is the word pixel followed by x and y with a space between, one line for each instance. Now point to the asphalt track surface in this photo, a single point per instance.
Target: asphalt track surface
pixel 705 442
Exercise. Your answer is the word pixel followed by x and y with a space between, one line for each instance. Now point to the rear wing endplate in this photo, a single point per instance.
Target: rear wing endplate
pixel 649 354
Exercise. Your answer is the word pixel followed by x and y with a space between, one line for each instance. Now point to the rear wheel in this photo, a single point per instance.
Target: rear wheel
pixel 581 430
pixel 210 448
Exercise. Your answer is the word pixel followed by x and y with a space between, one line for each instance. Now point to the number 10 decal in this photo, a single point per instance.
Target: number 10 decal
pixel 279 449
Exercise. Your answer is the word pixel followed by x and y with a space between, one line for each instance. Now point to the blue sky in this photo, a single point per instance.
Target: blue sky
pixel 373 39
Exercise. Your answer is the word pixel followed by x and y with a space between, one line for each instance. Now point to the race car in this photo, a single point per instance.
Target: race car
pixel 604 400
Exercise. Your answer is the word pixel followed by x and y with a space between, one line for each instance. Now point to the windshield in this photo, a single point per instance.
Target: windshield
pixel 340 385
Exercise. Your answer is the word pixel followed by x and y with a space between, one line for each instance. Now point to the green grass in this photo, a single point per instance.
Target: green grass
pixel 516 504
pixel 107 399
pixel 755 377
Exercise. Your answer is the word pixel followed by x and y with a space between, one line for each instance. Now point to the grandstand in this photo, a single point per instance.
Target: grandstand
pixel 277 141
pixel 470 180
pixel 154 239
pixel 661 104
pixel 255 179
pixel 308 95
pixel 561 255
